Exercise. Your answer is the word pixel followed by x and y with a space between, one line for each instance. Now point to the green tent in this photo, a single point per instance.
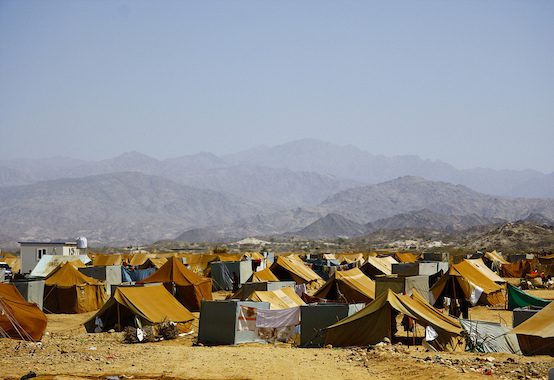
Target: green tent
pixel 518 298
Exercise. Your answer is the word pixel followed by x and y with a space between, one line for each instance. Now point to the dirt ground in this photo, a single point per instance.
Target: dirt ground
pixel 68 352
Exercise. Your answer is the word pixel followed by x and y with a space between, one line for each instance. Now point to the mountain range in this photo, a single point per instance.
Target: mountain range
pixel 306 188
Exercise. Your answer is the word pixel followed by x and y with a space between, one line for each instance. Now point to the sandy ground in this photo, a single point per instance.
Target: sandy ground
pixel 68 352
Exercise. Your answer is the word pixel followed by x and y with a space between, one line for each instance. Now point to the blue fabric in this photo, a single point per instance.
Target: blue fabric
pixel 136 274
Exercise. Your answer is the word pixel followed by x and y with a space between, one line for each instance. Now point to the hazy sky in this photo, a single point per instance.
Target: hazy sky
pixel 467 82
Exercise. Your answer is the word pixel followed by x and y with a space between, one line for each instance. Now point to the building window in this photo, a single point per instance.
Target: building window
pixel 40 252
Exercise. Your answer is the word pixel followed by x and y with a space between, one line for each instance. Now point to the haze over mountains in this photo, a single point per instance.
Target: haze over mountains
pixel 308 188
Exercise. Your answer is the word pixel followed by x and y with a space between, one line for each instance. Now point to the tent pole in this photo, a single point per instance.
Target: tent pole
pixel 390 324
pixel 413 332
pixel 118 318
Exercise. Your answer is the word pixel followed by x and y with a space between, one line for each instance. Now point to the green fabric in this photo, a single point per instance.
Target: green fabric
pixel 518 298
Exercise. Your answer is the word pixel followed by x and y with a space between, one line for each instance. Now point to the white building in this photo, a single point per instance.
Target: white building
pixel 32 252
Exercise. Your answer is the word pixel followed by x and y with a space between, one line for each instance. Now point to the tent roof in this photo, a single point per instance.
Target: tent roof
pixel 101 260
pixel 416 308
pixel 540 324
pixel 67 276
pixel 495 256
pixel 279 299
pixel 354 279
pixel 519 298
pixel 350 257
pixel 138 258
pixel 156 262
pixel 474 276
pixel 297 267
pixel 153 303
pixel 481 267
pixel 30 322
pixel 175 271
pixel 380 263
pixel 264 275
pixel 406 257
pixel 49 263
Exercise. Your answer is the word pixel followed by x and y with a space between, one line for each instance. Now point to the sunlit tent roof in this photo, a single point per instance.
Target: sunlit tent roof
pixel 198 262
pixel 378 320
pixel 152 304
pixel 136 259
pixel 153 262
pixel 67 276
pixel 49 263
pixel 101 260
pixel 496 257
pixel 378 265
pixel 230 256
pixel 406 257
pixel 536 335
pixel 279 299
pixel 519 298
pixel 351 286
pixel 350 258
pixel 69 291
pixel 191 288
pixel 290 267
pixel 19 319
pixel 464 280
pixel 481 267
pixel 329 256
pixel 265 275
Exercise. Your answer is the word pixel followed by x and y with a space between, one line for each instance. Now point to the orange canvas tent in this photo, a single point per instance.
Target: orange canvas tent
pixel 68 291
pixel 19 319
pixel 188 287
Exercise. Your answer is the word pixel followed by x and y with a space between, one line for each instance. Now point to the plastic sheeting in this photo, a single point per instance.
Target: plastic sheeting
pixel 490 337
pixel 136 274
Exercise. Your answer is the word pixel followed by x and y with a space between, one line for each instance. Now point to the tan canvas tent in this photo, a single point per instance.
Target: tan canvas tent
pixel 481 267
pixel 279 299
pixel 536 335
pixel 465 281
pixel 379 320
pixel 350 286
pixel 19 319
pixel 265 275
pixel 150 304
pixel 376 266
pixel 289 267
pixel 68 291
pixel 188 287
pixel 101 260
pixel 406 257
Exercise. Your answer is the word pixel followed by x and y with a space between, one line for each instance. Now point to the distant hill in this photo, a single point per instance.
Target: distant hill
pixel 513 237
pixel 331 226
pixel 353 163
pixel 405 194
pixel 410 203
pixel 429 220
pixel 118 208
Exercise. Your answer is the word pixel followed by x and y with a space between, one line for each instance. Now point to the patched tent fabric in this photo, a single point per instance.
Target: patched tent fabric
pixel 188 287
pixel 101 260
pixel 350 286
pixel 151 304
pixel 278 299
pixel 406 257
pixel 19 319
pixel 286 267
pixel 489 337
pixel 536 335
pixel 519 298
pixel 68 291
pixel 265 275
pixel 464 281
pixel 378 320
